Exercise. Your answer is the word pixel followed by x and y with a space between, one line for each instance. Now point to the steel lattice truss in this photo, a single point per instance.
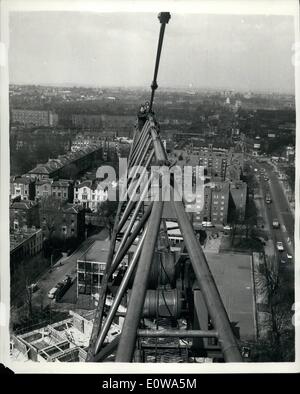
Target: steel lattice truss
pixel 145 224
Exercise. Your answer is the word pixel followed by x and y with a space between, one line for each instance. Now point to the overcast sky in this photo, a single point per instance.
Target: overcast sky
pixel 211 51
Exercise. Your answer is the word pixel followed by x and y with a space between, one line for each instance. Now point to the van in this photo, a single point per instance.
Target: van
pixel 52 292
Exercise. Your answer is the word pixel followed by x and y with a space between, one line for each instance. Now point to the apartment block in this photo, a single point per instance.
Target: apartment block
pixel 28 117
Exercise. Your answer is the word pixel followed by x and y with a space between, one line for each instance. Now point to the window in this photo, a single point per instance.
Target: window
pixel 76 195
pixel 80 277
pixel 54 194
pixel 65 194
pixel 95 279
pixel 25 191
pixel 58 194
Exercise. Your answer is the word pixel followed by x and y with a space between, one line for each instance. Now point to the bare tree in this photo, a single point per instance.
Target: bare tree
pixel 279 344
pixel 50 214
pixel 107 210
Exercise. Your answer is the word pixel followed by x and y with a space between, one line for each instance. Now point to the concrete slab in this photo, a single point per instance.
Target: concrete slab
pixel 233 276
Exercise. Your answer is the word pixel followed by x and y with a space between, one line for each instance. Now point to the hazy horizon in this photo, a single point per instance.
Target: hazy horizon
pixel 209 52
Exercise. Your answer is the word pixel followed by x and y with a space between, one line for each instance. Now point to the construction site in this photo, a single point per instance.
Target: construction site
pixel 157 296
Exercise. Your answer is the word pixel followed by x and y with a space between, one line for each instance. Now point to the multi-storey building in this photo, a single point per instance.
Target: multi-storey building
pixel 43 188
pixel 30 117
pixel 215 164
pixel 22 188
pixel 91 267
pixel 90 194
pixel 63 190
pixel 24 242
pixel 219 203
pixel 215 205
pixel 22 214
pixel 63 221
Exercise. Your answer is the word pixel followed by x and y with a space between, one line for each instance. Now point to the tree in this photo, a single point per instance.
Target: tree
pixel 107 210
pixel 50 213
pixel 279 344
pixel 250 217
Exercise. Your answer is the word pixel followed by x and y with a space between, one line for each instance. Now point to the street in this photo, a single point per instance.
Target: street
pixel 278 209
pixel 59 271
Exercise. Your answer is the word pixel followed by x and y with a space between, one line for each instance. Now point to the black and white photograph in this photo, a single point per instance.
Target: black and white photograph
pixel 149 190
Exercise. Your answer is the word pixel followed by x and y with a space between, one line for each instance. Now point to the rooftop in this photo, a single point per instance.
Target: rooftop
pixel 233 277
pixel 98 251
pixel 20 236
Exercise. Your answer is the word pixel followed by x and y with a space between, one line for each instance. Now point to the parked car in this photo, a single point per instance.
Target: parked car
pixel 207 224
pixel 52 292
pixel 227 227
pixel 289 256
pixel 279 246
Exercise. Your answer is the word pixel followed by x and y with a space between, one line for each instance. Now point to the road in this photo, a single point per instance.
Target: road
pixel 58 272
pixel 279 209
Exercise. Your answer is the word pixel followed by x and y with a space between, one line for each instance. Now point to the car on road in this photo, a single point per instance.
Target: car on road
pixel 207 224
pixel 268 198
pixel 279 246
pixel 275 223
pixel 289 256
pixel 283 261
pixel 227 227
pixel 52 292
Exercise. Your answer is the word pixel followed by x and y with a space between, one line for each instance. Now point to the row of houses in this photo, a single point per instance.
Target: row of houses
pixel 89 193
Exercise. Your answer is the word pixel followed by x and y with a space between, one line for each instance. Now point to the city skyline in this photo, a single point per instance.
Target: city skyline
pixel 37 56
